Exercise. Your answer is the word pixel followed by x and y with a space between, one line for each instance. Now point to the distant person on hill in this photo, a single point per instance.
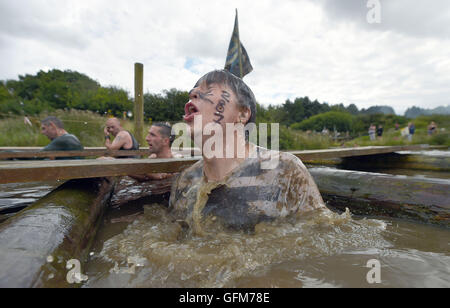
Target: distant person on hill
pixel 159 140
pixel 61 140
pixel 432 128
pixel 371 131
pixel 380 131
pixel 397 126
pixel 412 130
pixel 123 139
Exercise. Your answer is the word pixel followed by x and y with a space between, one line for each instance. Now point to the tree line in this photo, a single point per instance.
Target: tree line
pixel 56 89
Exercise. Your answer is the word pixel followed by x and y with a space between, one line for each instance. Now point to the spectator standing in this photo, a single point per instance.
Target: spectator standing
pixel 372 129
pixel 380 131
pixel 412 130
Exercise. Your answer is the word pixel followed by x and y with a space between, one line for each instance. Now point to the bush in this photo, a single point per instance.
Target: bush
pixel 333 120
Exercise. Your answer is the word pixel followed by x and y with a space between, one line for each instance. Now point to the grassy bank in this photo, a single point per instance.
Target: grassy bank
pixel 394 137
pixel 88 127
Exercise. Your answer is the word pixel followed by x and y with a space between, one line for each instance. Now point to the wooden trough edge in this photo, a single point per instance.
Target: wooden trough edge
pixel 35 171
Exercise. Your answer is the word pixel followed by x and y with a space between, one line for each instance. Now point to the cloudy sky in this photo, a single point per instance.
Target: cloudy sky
pixel 325 49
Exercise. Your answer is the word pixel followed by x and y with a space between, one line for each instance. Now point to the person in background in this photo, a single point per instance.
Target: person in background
pixel 61 140
pixel 123 139
pixel 380 131
pixel 432 128
pixel 412 130
pixel 372 129
pixel 159 139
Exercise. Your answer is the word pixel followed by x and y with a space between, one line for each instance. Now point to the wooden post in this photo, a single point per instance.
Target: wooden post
pixel 139 102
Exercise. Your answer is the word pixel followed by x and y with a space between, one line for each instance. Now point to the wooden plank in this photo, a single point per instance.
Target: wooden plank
pixel 375 194
pixel 85 153
pixel 33 152
pixel 34 171
pixel 349 152
pixel 94 151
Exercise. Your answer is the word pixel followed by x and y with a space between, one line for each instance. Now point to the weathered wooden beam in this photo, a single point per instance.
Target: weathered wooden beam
pixel 37 243
pixel 139 102
pixel 35 171
pixel 398 161
pixel 62 154
pixel 29 153
pixel 366 193
pixel 357 151
pixel 28 171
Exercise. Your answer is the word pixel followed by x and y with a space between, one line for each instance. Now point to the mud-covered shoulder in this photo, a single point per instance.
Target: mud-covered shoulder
pixel 303 192
pixel 184 181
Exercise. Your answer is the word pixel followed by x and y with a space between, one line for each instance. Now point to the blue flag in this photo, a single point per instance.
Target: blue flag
pixel 238 62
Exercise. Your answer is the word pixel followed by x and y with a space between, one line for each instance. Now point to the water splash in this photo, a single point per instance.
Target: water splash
pixel 213 256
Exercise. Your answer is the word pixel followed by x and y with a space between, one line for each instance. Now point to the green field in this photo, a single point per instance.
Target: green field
pixel 88 127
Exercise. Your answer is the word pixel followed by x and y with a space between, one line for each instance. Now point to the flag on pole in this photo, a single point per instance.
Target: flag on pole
pixel 238 62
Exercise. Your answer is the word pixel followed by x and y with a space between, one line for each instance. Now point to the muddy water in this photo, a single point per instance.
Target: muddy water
pixel 21 194
pixel 16 196
pixel 317 250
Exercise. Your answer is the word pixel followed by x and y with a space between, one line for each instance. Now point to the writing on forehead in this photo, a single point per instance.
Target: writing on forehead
pixel 220 107
pixel 203 95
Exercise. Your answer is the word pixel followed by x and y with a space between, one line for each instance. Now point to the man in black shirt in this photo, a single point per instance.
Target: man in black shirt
pixel 123 139
pixel 61 140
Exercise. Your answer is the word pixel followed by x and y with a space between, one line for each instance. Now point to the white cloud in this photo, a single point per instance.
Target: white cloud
pixel 323 50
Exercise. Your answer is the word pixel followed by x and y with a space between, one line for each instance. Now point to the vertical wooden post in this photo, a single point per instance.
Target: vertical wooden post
pixel 139 102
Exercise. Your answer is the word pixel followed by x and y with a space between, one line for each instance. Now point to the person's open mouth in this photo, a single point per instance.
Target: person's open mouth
pixel 190 112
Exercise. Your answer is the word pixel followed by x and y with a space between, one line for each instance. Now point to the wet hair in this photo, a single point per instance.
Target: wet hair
pixel 245 96
pixel 51 119
pixel 166 130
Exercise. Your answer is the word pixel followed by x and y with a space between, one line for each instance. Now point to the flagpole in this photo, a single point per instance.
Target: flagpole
pixel 239 46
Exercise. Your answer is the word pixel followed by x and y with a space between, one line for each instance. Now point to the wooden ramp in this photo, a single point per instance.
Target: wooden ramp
pixel 45 170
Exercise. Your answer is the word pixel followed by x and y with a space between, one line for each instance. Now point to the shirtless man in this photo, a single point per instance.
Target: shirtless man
pixel 159 140
pixel 123 140
pixel 239 192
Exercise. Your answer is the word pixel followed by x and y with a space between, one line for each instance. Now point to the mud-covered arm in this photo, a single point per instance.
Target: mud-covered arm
pixel 175 192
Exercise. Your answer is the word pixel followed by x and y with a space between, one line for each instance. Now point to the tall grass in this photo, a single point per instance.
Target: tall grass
pixel 392 137
pixel 291 139
pixel 86 125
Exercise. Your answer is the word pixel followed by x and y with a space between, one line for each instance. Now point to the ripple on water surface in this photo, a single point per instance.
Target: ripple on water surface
pixel 319 250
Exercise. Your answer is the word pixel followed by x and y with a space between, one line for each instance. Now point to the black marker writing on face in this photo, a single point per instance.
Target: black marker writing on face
pixel 226 96
pixel 204 96
pixel 220 107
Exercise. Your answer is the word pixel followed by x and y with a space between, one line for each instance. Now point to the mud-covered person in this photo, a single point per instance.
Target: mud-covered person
pixel 61 140
pixel 159 140
pixel 242 190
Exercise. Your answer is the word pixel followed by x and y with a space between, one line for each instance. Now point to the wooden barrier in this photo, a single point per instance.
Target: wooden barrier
pixel 34 171
pixel 375 194
pixel 34 152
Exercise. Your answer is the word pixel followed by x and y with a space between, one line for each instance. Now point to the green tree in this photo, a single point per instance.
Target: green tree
pixel 341 121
